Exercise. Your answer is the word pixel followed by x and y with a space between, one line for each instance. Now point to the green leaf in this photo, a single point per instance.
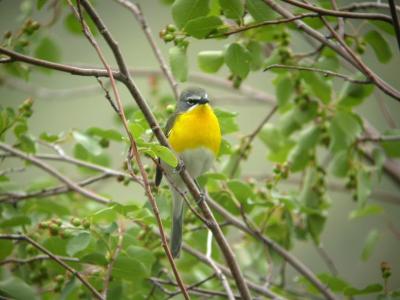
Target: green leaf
pixel 302 153
pixel 227 121
pixel 392 148
pixel 232 9
pixel 354 94
pixel 336 284
pixel 237 58
pixel 242 191
pixel 201 27
pixel 319 86
pixel 20 129
pixel 51 138
pixel 369 244
pixel 17 289
pixel 94 258
pixel 15 221
pixel 179 63
pixel 6 248
pixel 345 127
pixel 165 154
pixel 259 10
pixel 284 89
pixel 379 45
pixel 278 144
pixel 210 61
pixel 27 144
pixel 340 164
pixel 367 210
pixel 78 243
pixel 48 50
pixel 40 4
pixel 364 186
pixel 370 289
pixel 110 134
pixel 186 10
pixel 88 142
pixel 315 225
pixel 256 55
pixel 72 24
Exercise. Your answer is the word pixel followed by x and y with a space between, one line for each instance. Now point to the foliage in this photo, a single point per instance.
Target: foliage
pixel 318 134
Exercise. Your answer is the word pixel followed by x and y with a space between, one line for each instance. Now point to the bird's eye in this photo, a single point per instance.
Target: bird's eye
pixel 191 101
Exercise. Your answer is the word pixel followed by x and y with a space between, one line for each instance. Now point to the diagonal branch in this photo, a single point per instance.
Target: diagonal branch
pixel 137 12
pixel 188 180
pixel 71 184
pixel 337 13
pixel 133 152
pixel 323 72
pixel 60 261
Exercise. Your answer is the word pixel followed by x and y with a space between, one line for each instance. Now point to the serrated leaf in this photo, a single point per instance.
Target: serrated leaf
pixel 354 94
pixel 165 154
pixel 210 61
pixel 278 144
pixel 237 58
pixel 88 142
pixel 242 191
pixel 319 86
pixel 259 10
pixel 232 9
pixel 17 289
pixel 78 243
pixel 336 284
pixel 179 63
pixel 369 244
pixel 186 10
pixel 201 27
pixel 227 121
pixel 345 127
pixel 48 50
pixel 379 45
pixel 256 55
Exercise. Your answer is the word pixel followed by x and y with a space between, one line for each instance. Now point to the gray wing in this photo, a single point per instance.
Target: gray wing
pixel 167 129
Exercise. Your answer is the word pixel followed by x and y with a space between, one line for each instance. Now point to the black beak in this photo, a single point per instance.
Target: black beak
pixel 203 101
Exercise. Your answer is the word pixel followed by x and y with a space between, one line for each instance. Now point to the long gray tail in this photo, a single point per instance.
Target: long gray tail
pixel 177 220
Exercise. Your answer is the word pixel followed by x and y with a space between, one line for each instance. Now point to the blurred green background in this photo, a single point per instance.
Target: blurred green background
pixel 343 239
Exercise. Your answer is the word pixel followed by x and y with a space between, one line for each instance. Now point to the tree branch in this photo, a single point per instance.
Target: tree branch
pixel 137 12
pixel 323 72
pixel 380 83
pixel 133 152
pixel 21 237
pixel 71 184
pixel 191 185
pixel 395 20
pixel 337 13
pixel 22 261
pixel 366 5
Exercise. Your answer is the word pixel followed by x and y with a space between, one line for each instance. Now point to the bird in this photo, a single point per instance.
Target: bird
pixel 194 133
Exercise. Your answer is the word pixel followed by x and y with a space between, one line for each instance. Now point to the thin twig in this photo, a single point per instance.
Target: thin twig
pixel 21 237
pixel 249 140
pixel 113 258
pixel 137 12
pixel 107 95
pixel 133 149
pixel 379 82
pixel 337 13
pixel 18 196
pixel 366 5
pixel 324 72
pixel 22 261
pixel 71 184
pixel 187 179
pixel 340 20
pixel 328 261
pixel 385 110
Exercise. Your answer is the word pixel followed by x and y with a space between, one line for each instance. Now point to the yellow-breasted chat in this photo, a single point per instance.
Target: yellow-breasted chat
pixel 194 134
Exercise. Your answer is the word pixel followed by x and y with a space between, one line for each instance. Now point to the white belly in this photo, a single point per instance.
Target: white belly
pixel 197 162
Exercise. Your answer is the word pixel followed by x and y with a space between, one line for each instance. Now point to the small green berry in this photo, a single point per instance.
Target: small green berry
pixel 171 28
pixel 169 37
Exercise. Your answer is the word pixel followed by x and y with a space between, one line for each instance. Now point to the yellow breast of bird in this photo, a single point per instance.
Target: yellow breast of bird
pixel 196 128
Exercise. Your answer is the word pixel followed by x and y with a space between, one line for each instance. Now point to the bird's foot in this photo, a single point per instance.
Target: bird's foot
pixel 180 167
